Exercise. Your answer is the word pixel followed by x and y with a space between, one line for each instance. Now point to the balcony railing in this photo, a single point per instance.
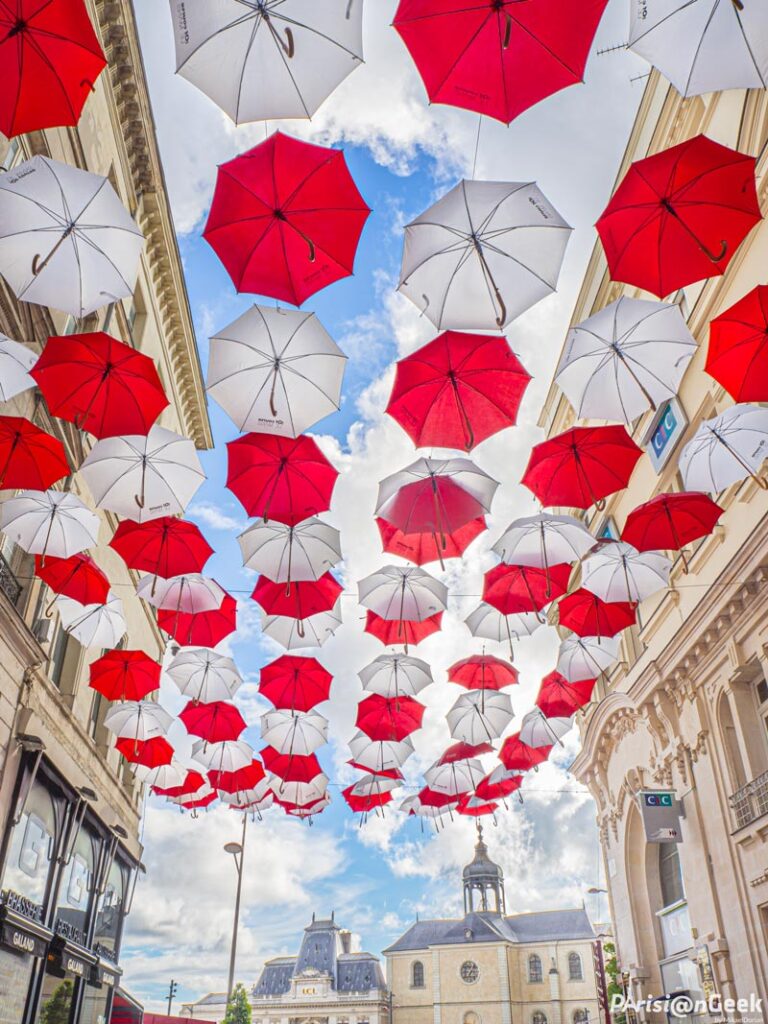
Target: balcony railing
pixel 751 801
pixel 9 585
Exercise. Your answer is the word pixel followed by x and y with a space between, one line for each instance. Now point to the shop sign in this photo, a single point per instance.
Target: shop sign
pixel 661 817
pixel 22 941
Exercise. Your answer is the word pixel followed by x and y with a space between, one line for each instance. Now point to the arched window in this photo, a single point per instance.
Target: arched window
pixel 581 1016
pixel 535 975
pixel 417 974
pixel 538 1017
pixel 670 874
pixel 575 971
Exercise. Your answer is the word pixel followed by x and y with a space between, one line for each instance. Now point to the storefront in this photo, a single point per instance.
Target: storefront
pixel 65 890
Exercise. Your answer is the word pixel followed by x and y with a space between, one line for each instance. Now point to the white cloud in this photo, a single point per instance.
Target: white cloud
pixel 215 517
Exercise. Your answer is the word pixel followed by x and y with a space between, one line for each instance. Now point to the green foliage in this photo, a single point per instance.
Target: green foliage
pixel 238 1008
pixel 56 1009
pixel 612 974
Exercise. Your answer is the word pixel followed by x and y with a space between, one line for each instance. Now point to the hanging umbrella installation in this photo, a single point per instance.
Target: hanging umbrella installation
pixel 518 756
pixel 295 683
pixel 450 778
pixel 302 600
pixel 671 521
pixel 588 615
pixel 77 577
pixel 489 623
pixel 29 458
pixel 190 593
pixel 139 720
pixel 200 629
pixel 619 572
pixel 147 754
pixel 226 756
pixel 408 632
pixel 55 523
pixel 557 698
pixel 396 675
pixel 516 589
pixel 93 625
pixel 16 364
pixel 483 254
pixel 737 356
pixel 586 657
pixel 423 548
pixel 380 756
pixel 402 595
pixel 499 784
pixel 479 716
pixel 483 672
pixel 726 450
pixel 544 540
pixel 214 722
pixel 124 675
pixel 382 719
pixel 312 631
pixel 539 730
pixel 294 732
pixel 204 676
pixel 165 547
pixel 286 219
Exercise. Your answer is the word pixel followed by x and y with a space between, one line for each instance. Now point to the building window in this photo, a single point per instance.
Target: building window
pixel 575 971
pixel 538 1017
pixel 670 874
pixel 581 1016
pixel 13 155
pixel 32 845
pixel 417 975
pixel 534 969
pixel 469 972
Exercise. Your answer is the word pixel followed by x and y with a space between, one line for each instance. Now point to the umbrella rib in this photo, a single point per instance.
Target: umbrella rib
pixel 652 28
pixel 316 32
pixel 219 31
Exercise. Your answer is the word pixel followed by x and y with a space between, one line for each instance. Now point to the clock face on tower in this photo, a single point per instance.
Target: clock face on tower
pixel 469 972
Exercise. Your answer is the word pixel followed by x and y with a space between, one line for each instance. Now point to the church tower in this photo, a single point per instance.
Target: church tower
pixel 483 883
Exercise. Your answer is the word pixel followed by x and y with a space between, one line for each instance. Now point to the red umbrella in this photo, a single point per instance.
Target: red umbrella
pixel 738 348
pixel 29 458
pixel 125 675
pixel 512 589
pixel 194 803
pixel 431 798
pixel 50 59
pixel 364 804
pixel 77 577
pixel 470 806
pixel 670 521
pixel 679 216
pixel 457 390
pixel 518 755
pixel 402 631
pixel 234 782
pixel 587 615
pixel 100 384
pixel 384 719
pixel 282 478
pixel 291 767
pixel 498 57
pixel 384 773
pixel 295 682
pixel 164 547
pixel 193 782
pixel 487 789
pixel 213 722
pixel 200 629
pixel 286 218
pixel 483 672
pixel 581 466
pixel 557 698
pixel 422 548
pixel 297 600
pixel 148 753
pixel 464 751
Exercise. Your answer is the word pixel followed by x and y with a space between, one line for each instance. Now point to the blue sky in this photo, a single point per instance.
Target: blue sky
pixel 403 154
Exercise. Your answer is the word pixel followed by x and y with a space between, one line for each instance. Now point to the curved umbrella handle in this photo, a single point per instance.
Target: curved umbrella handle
pixel 736 3
pixel 290 49
pixel 507 30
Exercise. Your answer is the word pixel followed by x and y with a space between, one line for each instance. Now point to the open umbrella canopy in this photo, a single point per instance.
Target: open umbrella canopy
pixel 539 730
pixel 152 753
pixel 124 675
pixel 200 629
pixel 190 593
pixel 497 58
pixel 246 778
pixel 627 358
pixel 170 779
pixel 726 449
pixel 295 683
pixel 489 623
pixel 402 594
pixel 143 477
pixel 383 719
pixel 291 767
pixel 287 479
pixel 294 634
pixel 544 540
pixel 204 676
pixel 479 716
pixel 483 254
pixel 408 632
pixel 93 625
pixel 557 698
pixel 66 240
pixel 16 363
pixel 499 783
pixel 431 798
pixel 670 521
pixel 266 62
pixel 165 547
pixel 138 720
pixel 588 615
pixel 303 799
pixel 483 672
pixel 619 572
pixel 518 756
pixel 454 777
pixel 423 548
pixel 457 390
pixel 55 523
pixel 294 732
pixel 28 456
pixel 581 466
pixel 362 803
pixel 300 600
pixel 286 218
pixel 286 553
pixel 226 756
pixel 100 384
pixel 77 577
pixel 380 756
pixel 396 675
pixel 277 371
pixel 514 589
pixel 204 798
pixel 704 46
pixel 471 806
pixel 679 216
pixel 463 751
pixel 737 356
pixel 214 722
pixel 586 657
pixel 50 59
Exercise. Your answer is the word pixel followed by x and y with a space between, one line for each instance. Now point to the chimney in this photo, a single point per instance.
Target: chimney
pixel 346 941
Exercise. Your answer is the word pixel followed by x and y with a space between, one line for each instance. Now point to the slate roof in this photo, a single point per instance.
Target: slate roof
pixel 543 926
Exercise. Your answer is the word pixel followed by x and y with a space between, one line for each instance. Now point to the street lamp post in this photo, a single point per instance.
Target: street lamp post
pixel 238 851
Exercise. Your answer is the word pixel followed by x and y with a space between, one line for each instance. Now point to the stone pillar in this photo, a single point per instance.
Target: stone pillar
pixel 437 1015
pixel 506 1008
pixel 555 1015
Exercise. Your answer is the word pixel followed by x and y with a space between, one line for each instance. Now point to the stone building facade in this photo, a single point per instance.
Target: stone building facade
pixel 686 710
pixel 490 968
pixel 69 805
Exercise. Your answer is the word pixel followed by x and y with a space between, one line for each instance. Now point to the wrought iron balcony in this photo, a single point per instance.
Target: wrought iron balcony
pixel 9 585
pixel 751 801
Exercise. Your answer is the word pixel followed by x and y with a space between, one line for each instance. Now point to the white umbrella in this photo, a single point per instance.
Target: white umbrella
pixel 455 777
pixel 536 730
pixel 483 254
pixel 396 675
pixel 54 523
pixel 143 478
pixel 703 45
pixel 627 358
pixel 373 785
pixel 294 732
pixel 66 240
pixel 16 361
pixel 296 633
pixel 380 755
pixel 265 61
pixel 479 716
pixel 204 675
pixel 489 623
pixel 543 540
pixel 188 798
pixel 619 572
pixel 277 371
pixel 138 720
pixel 257 798
pixel 93 625
pixel 225 756
pixel 290 553
pixel 726 449
pixel 402 594
pixel 586 657
pixel 166 776
pixel 189 593
pixel 301 793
